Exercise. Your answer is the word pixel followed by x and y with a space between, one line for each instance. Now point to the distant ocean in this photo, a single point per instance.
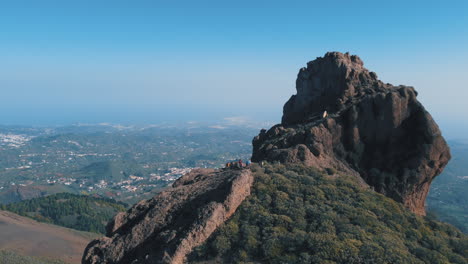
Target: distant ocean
pixel 64 116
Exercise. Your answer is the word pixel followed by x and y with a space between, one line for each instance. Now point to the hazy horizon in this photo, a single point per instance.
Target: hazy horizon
pixel 122 62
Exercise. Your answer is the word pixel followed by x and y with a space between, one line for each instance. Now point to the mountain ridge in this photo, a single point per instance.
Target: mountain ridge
pixel 343 123
pixel 167 227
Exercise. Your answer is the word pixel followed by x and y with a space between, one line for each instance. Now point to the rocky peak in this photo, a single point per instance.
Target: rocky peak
pixel 327 84
pixel 377 132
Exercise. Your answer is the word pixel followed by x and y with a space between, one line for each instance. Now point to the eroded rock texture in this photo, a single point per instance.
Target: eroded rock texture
pixel 167 227
pixel 375 131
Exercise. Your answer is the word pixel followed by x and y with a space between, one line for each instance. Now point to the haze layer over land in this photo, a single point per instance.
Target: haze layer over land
pixel 117 61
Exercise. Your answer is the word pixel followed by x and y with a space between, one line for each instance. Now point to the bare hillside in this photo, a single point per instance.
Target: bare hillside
pixel 28 237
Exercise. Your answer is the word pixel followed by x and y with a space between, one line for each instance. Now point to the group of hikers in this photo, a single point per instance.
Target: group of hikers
pixel 239 164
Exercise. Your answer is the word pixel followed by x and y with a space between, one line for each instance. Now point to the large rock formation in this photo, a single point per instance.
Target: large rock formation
pixel 375 131
pixel 167 227
pixel 342 118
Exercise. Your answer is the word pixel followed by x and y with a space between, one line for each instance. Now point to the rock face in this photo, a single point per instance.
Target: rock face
pixel 167 227
pixel 375 131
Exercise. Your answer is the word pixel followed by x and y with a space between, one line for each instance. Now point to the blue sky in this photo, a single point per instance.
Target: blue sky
pixel 146 61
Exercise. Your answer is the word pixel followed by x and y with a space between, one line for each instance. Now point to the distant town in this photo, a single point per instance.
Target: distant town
pixel 124 163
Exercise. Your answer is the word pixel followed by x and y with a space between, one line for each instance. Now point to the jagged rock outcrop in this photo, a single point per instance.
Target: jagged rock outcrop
pixel 375 131
pixel 167 227
pixel 342 118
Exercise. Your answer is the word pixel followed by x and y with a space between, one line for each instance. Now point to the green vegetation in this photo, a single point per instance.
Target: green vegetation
pixel 298 215
pixel 18 193
pixel 110 170
pixel 77 158
pixel 79 212
pixel 9 257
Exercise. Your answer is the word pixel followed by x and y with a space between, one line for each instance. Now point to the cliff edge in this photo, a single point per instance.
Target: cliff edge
pixel 344 118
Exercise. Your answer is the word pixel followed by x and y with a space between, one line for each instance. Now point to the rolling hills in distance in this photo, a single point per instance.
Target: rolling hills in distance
pixel 23 175
pixel 126 163
pixel 445 200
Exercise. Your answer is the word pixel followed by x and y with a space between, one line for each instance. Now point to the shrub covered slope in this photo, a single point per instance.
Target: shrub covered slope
pixel 299 215
pixel 81 212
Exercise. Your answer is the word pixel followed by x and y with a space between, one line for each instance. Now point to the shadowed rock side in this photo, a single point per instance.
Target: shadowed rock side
pixel 373 130
pixel 167 227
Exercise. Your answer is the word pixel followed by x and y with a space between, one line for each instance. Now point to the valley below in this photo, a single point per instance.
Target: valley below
pixel 129 175
pixel 345 185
